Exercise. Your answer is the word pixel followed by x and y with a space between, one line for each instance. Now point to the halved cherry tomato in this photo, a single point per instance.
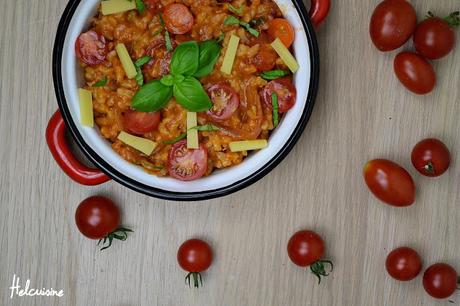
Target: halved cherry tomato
pixel 187 164
pixel 265 59
pixel 403 264
pixel 440 280
pixel 390 182
pixel 415 72
pixel 194 256
pixel 178 18
pixel 281 28
pixel 91 48
pixel 285 90
pixel 139 122
pixel 434 38
pixel 392 24
pixel 225 101
pixel 431 157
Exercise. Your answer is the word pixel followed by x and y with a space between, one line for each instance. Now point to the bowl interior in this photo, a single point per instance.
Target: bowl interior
pixel 72 79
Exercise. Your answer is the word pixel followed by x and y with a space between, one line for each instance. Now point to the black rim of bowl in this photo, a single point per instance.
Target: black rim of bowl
pixel 172 195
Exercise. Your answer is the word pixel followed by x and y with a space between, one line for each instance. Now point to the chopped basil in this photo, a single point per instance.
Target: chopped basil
pixel 273 74
pixel 221 38
pixel 142 61
pixel 168 42
pixel 101 83
pixel 138 64
pixel 201 128
pixel 237 11
pixel 232 20
pixel 275 109
pixel 140 6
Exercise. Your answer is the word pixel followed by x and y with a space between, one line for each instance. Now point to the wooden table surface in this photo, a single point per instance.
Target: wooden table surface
pixel 361 113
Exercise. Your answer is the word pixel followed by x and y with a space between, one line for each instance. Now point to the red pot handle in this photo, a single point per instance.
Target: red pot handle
pixel 318 11
pixel 58 146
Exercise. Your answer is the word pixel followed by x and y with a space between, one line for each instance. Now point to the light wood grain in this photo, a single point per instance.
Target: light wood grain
pixel 361 113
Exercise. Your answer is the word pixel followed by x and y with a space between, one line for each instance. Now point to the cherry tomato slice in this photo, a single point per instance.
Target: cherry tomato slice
pixel 305 247
pixel 431 157
pixel 390 182
pixel 285 91
pixel 434 38
pixel 178 18
pixel 281 28
pixel 392 24
pixel 91 48
pixel 403 264
pixel 440 280
pixel 96 217
pixel 265 59
pixel 414 72
pixel 225 101
pixel 139 122
pixel 187 164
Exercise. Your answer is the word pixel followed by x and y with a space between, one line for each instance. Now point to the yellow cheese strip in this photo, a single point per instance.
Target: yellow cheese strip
pixel 86 107
pixel 146 146
pixel 192 134
pixel 247 145
pixel 126 61
pixel 285 55
pixel 230 53
pixel 116 6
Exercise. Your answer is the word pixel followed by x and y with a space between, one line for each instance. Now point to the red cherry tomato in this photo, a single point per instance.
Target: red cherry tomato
pixel 265 59
pixel 306 248
pixel 225 101
pixel 434 38
pixel 392 24
pixel 91 48
pixel 403 264
pixel 187 164
pixel 390 182
pixel 139 122
pixel 415 72
pixel 440 280
pixel 285 90
pixel 431 157
pixel 282 29
pixel 194 256
pixel 178 18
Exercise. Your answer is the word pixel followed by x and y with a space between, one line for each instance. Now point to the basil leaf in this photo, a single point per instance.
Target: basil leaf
pixel 237 11
pixel 275 109
pixel 142 61
pixel 191 95
pixel 231 20
pixel 185 58
pixel 167 80
pixel 273 74
pixel 140 6
pixel 168 41
pixel 151 97
pixel 101 83
pixel 139 76
pixel 209 54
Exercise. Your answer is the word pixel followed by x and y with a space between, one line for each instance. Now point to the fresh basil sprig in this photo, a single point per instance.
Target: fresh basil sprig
pixel 200 128
pixel 275 109
pixel 189 61
pixel 101 83
pixel 273 74
pixel 232 20
pixel 138 64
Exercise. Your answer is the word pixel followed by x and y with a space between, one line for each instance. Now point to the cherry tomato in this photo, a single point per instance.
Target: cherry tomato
pixel 306 248
pixel 415 72
pixel 431 157
pixel 392 24
pixel 390 182
pixel 285 91
pixel 403 264
pixel 99 218
pixel 434 38
pixel 194 256
pixel 187 164
pixel 91 48
pixel 265 59
pixel 139 122
pixel 178 18
pixel 440 280
pixel 225 101
pixel 281 28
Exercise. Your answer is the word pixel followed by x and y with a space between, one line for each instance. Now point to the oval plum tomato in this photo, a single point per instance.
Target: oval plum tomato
pixel 415 72
pixel 225 101
pixel 99 218
pixel 306 248
pixel 285 91
pixel 139 122
pixel 431 157
pixel 194 256
pixel 281 28
pixel 389 182
pixel 187 164
pixel 440 280
pixel 178 18
pixel 91 48
pixel 403 264
pixel 434 38
pixel 392 24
